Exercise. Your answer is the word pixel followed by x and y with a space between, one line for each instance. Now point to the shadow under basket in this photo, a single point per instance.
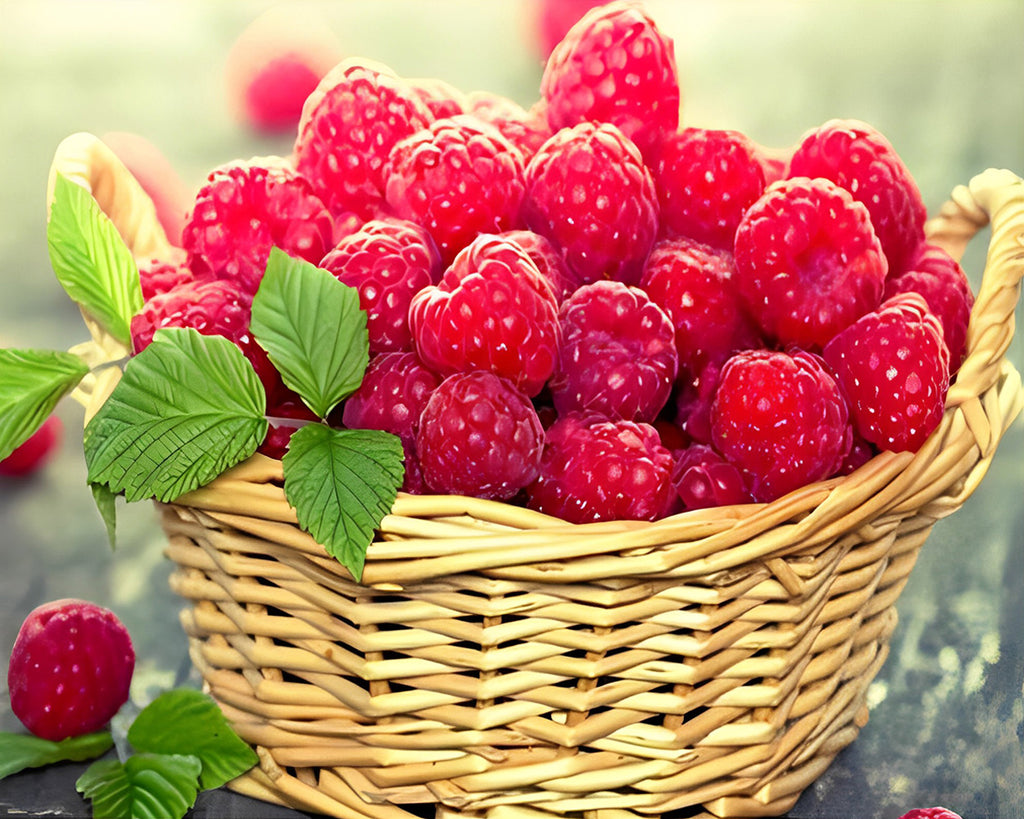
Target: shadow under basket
pixel 498 662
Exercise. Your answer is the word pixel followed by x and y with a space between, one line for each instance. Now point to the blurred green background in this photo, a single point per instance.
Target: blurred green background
pixel 943 80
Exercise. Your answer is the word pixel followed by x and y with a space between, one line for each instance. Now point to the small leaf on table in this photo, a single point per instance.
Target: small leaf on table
pixel 21 751
pixel 144 786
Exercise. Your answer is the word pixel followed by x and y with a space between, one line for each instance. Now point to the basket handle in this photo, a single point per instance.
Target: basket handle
pixel 996 197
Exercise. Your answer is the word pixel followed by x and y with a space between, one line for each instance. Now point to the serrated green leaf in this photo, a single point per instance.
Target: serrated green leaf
pixel 144 786
pixel 21 751
pixel 188 407
pixel 106 505
pixel 313 330
pixel 342 482
pixel 91 260
pixel 32 382
pixel 187 721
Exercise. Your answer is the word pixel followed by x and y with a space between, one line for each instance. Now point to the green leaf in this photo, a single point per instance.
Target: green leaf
pixel 144 786
pixel 342 482
pixel 91 260
pixel 32 382
pixel 20 751
pixel 187 721
pixel 188 407
pixel 106 504
pixel 313 330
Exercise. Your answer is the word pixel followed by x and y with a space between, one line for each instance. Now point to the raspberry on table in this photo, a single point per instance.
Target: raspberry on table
pixel 479 436
pixel 695 284
pixel 597 469
pixel 943 284
pixel 526 129
pixel 808 262
pixel 781 419
pixel 859 158
pixel 618 353
pixel 387 261
pixel 349 125
pixel 894 368
pixel 70 670
pixel 246 208
pixel 589 192
pixel 213 308
pixel 547 258
pixel 706 179
pixel 157 276
pixel 35 451
pixel 492 310
pixel 458 178
pixel 703 479
pixel 614 65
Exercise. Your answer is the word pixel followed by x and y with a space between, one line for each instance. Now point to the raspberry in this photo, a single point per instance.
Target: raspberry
pixel 589 192
pixel 547 258
pixel 492 310
pixel 441 98
pixel 614 66
pixel 808 262
pixel 526 130
pixel 388 261
pixel 693 402
pixel 941 281
pixel 930 813
pixel 618 353
pixel 213 308
pixel 702 478
pixel 349 124
pixel 160 275
pixel 71 668
pixel 243 210
pixel 781 419
pixel 479 436
pixel 458 178
pixel 706 180
pixel 394 391
pixel 35 451
pixel 272 99
pixel 285 416
pixel 774 162
pixel 596 469
pixel 861 160
pixel 694 284
pixel 894 368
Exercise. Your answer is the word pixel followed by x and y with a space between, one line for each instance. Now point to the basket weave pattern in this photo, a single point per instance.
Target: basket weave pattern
pixel 498 661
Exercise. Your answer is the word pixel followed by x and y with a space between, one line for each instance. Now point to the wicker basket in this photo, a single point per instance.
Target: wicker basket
pixel 497 661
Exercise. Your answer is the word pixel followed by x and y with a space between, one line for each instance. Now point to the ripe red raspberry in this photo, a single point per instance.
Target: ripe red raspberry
pixel 774 162
pixel 693 402
pixel 35 451
pixel 703 479
pixel 547 258
pixel 157 276
pixel 941 281
pixel 479 436
pixel 706 179
pixel 285 415
pixel 71 668
pixel 596 469
pixel 615 66
pixel 695 285
pixel 271 99
pixel 388 261
pixel 492 310
pixel 441 98
pixel 526 129
pixel 808 262
pixel 894 367
pixel 243 210
pixel 458 178
pixel 858 158
pixel 618 353
pixel 394 391
pixel 349 124
pixel 930 813
pixel 589 192
pixel 213 308
pixel 780 417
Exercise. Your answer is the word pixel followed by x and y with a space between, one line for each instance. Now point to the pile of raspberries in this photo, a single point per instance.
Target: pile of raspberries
pixel 583 306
